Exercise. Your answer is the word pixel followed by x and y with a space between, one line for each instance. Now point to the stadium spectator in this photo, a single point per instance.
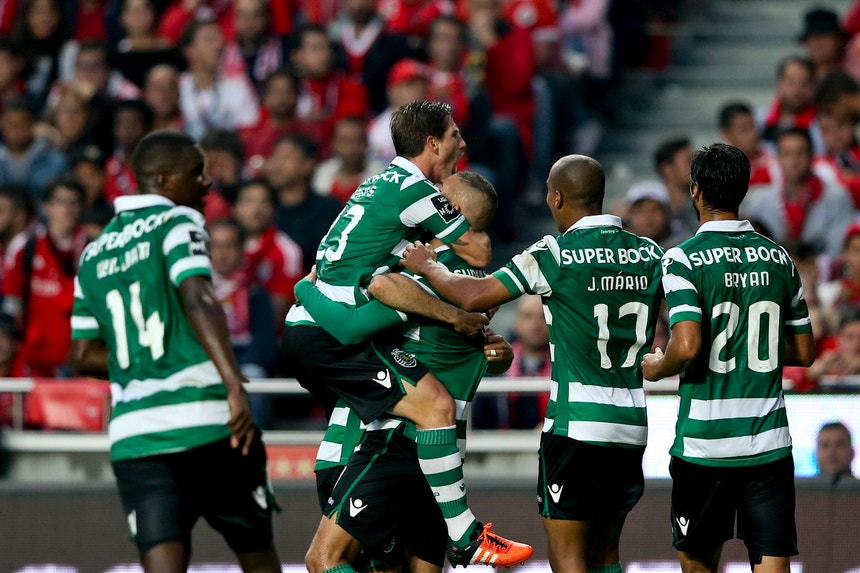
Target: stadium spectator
pixel 88 166
pixel 132 120
pixel 161 92
pixel 672 161
pixel 502 57
pixel 446 49
pixel 225 157
pixel 349 165
pixel 408 81
pixel 824 41
pixel 273 259
pixel 844 359
pixel 326 94
pixel 303 215
pixel 40 32
pixel 89 71
pixel 247 307
pixel 11 68
pixel 209 99
pixel 38 286
pixel 369 48
pixel 793 104
pixel 649 214
pixel 255 51
pixel 840 161
pixel 278 118
pixel 834 453
pixel 413 17
pixel 738 128
pixel 69 125
pixel 842 295
pixel 16 216
pixel 89 19
pixel 541 19
pixel 141 48
pixel 178 17
pixel 531 359
pixel 26 159
pixel 814 212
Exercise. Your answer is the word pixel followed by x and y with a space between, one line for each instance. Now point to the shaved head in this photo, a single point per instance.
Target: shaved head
pixel 579 179
pixel 164 151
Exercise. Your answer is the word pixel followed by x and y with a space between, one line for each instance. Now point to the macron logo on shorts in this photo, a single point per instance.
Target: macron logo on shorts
pixel 356 506
pixel 555 492
pixel 683 524
pixel 260 497
pixel 383 378
pixel 132 523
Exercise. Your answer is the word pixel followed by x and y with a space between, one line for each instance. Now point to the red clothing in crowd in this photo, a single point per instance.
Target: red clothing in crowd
pixel 802 119
pixel 539 17
pixel 844 168
pixel 450 87
pixel 48 309
pixel 177 17
pixel 320 11
pixel 7 16
pixel 260 139
pixel 275 262
pixel 216 206
pixel 763 168
pixel 324 101
pixel 356 47
pixel 412 17
pixel 120 177
pixel 508 72
pixel 90 24
pixel 516 371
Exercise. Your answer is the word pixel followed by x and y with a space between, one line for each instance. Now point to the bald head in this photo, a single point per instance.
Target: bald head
pixel 580 180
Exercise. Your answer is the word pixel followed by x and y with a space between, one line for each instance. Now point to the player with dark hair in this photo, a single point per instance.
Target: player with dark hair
pixel 601 288
pixel 737 315
pixel 183 442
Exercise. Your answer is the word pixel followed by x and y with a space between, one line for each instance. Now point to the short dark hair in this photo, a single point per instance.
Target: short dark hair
pixel 189 33
pixel 302 142
pixel 447 19
pixel 161 151
pixel 799 60
pixel 836 426
pixel 138 106
pixel 667 150
pixel 722 174
pixel 230 223
pixel 413 123
pixel 20 103
pixel 483 187
pixel 795 132
pixel 223 140
pixel 309 29
pixel 20 198
pixel 281 72
pixel 69 182
pixel 730 111
pixel 259 182
pixel 832 87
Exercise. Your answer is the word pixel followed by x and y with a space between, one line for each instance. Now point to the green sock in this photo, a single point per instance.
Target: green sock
pixel 440 461
pixel 614 568
pixel 345 568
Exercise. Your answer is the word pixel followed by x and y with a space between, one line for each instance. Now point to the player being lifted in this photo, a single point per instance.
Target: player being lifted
pixel 601 292
pixel 737 315
pixel 385 214
pixel 183 442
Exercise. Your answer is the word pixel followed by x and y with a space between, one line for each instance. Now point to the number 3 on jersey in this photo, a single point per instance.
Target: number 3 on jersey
pixel 150 334
pixel 354 215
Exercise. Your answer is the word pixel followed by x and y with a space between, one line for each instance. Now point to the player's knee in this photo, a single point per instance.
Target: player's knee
pixel 441 411
pixel 313 563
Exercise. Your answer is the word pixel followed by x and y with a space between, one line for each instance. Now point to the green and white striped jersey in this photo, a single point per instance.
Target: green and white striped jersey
pixel 457 361
pixel 601 292
pixel 386 213
pixel 167 395
pixel 745 292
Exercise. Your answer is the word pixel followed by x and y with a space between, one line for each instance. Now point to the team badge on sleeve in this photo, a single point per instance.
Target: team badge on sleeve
pixel 444 208
pixel 198 245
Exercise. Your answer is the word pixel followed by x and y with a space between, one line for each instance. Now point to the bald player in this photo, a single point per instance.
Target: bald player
pixel 601 292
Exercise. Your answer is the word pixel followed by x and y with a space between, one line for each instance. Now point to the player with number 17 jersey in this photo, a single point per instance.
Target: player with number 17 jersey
pixel 160 374
pixel 601 291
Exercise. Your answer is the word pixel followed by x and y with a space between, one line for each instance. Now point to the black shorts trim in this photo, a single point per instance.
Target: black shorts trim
pixel 368 376
pixel 163 496
pixel 578 481
pixel 706 500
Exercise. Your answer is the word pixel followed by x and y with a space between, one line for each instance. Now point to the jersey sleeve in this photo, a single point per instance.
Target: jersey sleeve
pixel 186 247
pixel 682 294
pixel 348 324
pixel 84 324
pixel 424 206
pixel 798 321
pixel 533 270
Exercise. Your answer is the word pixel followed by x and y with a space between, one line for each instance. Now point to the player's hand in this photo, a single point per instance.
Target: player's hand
pixel 497 349
pixel 241 422
pixel 651 365
pixel 417 257
pixel 312 276
pixel 470 323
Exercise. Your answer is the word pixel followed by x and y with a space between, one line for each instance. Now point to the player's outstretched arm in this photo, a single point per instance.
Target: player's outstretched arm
pixel 90 357
pixel 474 247
pixel 207 318
pixel 684 346
pixel 469 293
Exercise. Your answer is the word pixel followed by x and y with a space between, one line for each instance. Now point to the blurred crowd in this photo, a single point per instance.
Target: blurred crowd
pixel 290 100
